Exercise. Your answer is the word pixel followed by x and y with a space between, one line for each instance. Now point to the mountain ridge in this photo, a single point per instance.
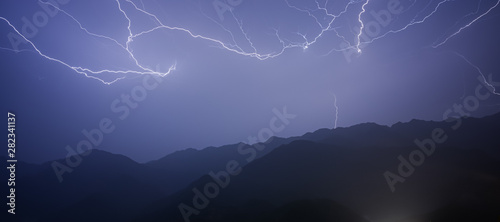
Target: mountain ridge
pixel 331 162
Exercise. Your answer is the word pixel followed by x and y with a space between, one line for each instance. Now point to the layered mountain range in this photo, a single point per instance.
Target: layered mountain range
pixel 418 170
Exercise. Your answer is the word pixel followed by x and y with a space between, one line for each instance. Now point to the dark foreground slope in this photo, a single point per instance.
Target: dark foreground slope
pixel 461 176
pixel 327 175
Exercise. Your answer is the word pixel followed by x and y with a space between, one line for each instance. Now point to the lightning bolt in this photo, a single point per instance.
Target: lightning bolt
pixel 332 17
pixel 220 43
pixel 363 10
pixel 336 109
pixel 81 26
pixel 325 24
pixel 463 18
pixel 492 88
pixel 16 50
pixel 86 71
pixel 76 69
pixel 413 22
pixel 328 27
pixel 245 34
pixel 127 44
pixel 467 25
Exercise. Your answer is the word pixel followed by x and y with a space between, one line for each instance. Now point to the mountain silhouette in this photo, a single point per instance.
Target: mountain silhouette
pixel 326 175
pixel 348 167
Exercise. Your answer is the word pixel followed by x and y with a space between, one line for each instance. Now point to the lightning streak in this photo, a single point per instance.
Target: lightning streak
pixel 465 16
pixel 336 109
pixel 325 24
pixel 413 22
pixel 332 18
pixel 127 44
pixel 190 33
pixel 76 69
pixel 363 10
pixel 467 25
pixel 81 26
pixel 89 73
pixel 493 90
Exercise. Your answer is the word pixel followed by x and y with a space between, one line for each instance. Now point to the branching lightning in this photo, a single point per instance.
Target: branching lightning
pixel 324 22
pixel 467 25
pixel 413 22
pixel 332 17
pixel 486 82
pixel 92 73
pixel 76 69
pixel 463 18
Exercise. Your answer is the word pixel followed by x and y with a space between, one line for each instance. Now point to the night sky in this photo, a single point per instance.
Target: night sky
pixel 230 63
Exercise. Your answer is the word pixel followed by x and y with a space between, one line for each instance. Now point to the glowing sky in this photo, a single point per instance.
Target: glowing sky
pixel 221 67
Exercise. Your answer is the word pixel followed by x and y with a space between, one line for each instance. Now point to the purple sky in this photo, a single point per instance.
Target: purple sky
pixel 233 67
